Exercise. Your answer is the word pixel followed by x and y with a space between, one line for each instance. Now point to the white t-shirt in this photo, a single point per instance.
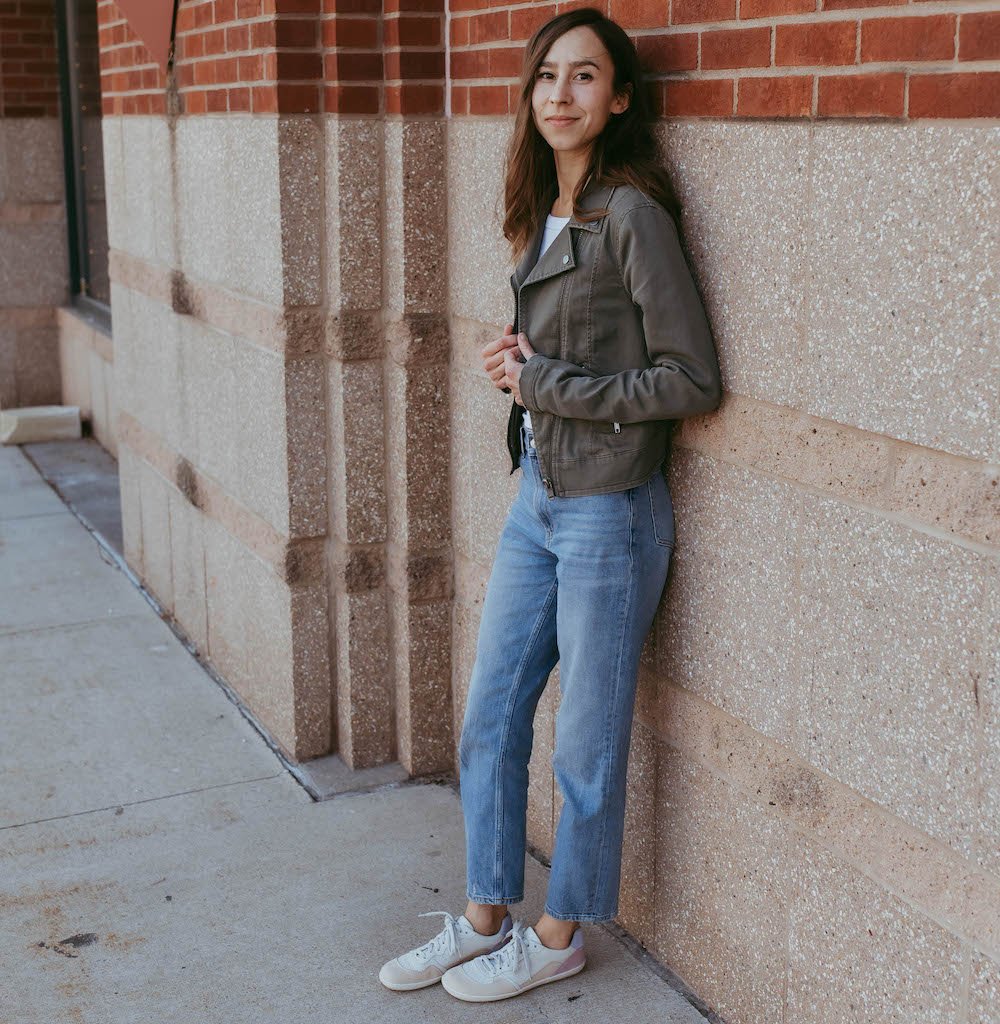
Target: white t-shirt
pixel 553 225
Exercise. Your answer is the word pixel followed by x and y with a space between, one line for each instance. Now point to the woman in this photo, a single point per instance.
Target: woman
pixel 611 344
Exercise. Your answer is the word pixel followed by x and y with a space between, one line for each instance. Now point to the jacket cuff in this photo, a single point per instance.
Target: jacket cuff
pixel 526 381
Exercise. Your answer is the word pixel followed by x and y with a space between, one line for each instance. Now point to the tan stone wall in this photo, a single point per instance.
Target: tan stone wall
pixel 814 813
pixel 33 259
pixel 314 478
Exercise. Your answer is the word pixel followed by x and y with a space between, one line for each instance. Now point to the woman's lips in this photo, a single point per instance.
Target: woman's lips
pixel 561 122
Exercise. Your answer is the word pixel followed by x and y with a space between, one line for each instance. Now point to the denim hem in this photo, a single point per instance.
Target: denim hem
pixel 495 900
pixel 589 918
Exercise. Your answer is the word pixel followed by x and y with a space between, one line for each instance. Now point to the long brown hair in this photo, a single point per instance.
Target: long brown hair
pixel 624 153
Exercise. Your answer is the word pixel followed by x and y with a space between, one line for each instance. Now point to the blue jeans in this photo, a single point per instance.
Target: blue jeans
pixel 575 580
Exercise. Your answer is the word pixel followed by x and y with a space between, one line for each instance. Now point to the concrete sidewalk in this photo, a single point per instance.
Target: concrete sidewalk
pixel 160 863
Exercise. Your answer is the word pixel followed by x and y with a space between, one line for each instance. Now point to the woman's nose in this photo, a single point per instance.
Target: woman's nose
pixel 560 90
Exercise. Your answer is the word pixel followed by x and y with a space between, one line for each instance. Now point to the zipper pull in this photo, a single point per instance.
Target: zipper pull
pixel 618 427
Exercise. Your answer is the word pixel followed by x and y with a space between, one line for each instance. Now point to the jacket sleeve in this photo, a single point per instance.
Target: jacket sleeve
pixel 684 379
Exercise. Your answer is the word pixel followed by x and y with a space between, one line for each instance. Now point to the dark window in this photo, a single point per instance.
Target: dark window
pixel 80 93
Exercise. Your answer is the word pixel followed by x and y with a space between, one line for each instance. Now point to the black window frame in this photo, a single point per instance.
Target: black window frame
pixel 76 213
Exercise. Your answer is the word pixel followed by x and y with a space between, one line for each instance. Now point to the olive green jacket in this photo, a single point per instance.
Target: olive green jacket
pixel 622 345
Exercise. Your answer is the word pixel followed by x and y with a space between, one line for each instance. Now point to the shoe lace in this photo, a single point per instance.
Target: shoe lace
pixel 508 955
pixel 446 940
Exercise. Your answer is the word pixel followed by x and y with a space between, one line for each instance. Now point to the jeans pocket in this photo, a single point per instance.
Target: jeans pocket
pixel 661 509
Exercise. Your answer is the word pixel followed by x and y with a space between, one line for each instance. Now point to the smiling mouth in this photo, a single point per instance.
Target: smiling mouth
pixel 561 120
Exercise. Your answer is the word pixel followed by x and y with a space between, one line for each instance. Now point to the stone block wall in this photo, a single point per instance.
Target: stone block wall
pixel 306 259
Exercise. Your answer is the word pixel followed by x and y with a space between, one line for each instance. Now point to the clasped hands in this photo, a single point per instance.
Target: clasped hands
pixel 503 363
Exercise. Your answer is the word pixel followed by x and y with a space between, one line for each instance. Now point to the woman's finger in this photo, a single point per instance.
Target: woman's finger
pixel 506 340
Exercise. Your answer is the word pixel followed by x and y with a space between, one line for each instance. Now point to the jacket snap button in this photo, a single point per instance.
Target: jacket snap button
pixel 565 259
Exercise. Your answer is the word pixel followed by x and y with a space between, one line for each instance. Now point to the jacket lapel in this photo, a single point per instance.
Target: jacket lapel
pixel 560 255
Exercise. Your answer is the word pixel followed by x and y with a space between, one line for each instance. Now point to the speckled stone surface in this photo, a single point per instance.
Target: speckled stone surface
pixel 33 271
pixel 154 508
pixel 857 953
pixel 984 990
pixel 187 556
pixel 356 418
pixel 228 208
pixel 988 696
pixel 636 907
pixel 830 611
pixel 720 894
pixel 848 268
pixel 29 360
pixel 895 632
pixel 142 208
pixel 300 173
pixel 479 261
pixel 364 698
pixel 727 629
pixel 31 155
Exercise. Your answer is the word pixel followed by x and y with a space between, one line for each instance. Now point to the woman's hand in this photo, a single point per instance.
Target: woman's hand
pixel 513 364
pixel 493 357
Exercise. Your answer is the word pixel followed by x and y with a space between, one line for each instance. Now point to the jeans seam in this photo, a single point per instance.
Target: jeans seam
pixel 609 735
pixel 509 714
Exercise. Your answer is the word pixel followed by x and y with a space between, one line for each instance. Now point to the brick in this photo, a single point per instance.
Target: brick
pixel 295 32
pixel 469 63
pixel 705 97
pixel 854 5
pixel 298 97
pixel 873 95
pixel 409 30
pixel 489 27
pixel 640 13
pixel 785 96
pixel 350 66
pixel 979 35
pixel 413 98
pixel 505 62
pixel 405 64
pixel 736 48
pixel 488 99
pixel 673 51
pixel 459 99
pixel 217 101
pixel 691 12
pixel 263 99
pixel 815 44
pixel 524 20
pixel 351 99
pixel 964 94
pixel 296 65
pixel 908 39
pixel 239 99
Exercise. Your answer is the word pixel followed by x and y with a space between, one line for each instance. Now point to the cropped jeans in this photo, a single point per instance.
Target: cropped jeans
pixel 575 580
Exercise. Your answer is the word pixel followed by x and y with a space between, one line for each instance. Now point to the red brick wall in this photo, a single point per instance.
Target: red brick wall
pixel 707 58
pixel 761 58
pixel 288 56
pixel 29 66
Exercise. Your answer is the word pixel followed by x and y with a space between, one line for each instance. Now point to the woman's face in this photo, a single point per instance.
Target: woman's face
pixel 573 95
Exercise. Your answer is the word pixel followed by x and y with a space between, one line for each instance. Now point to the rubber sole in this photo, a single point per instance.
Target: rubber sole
pixel 409 986
pixel 509 995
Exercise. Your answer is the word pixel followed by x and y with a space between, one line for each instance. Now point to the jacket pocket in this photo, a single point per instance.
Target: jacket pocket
pixel 605 427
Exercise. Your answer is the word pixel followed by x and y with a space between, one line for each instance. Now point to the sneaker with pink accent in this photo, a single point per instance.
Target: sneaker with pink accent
pixel 457 942
pixel 522 963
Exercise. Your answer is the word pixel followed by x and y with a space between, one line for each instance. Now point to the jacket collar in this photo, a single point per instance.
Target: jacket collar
pixel 594 197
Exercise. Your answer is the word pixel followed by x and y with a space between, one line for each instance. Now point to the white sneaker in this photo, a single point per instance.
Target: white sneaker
pixel 457 942
pixel 522 964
